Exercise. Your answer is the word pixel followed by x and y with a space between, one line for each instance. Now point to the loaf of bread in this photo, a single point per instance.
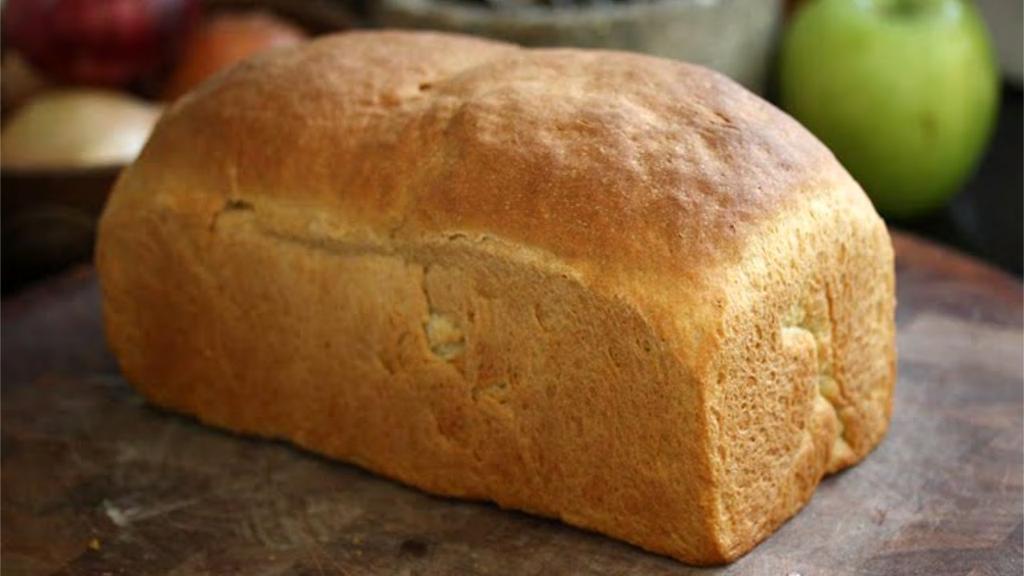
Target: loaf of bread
pixel 601 287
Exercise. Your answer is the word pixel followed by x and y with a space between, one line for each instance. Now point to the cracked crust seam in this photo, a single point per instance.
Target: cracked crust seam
pixel 828 386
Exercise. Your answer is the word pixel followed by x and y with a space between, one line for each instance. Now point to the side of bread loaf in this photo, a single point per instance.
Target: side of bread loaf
pixel 601 287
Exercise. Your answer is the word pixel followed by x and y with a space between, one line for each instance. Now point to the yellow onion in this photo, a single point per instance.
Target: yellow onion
pixel 76 128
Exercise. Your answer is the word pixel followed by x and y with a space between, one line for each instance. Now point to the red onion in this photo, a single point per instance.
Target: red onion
pixel 104 42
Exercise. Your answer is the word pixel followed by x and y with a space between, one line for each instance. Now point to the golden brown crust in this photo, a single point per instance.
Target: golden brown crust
pixel 627 160
pixel 604 287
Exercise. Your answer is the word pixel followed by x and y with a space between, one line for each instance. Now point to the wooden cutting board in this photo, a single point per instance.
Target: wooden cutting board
pixel 96 482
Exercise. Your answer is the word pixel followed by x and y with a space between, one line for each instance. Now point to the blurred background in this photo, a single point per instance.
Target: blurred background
pixel 920 99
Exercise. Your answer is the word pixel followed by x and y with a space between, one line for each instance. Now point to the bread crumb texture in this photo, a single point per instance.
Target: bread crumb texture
pixel 601 287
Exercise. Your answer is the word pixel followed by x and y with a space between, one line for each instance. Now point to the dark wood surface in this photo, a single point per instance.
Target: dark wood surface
pixel 96 482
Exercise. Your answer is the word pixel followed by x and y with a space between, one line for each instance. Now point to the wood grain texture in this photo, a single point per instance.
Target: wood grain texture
pixel 94 481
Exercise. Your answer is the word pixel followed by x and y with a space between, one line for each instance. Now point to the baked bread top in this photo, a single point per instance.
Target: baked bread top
pixel 612 162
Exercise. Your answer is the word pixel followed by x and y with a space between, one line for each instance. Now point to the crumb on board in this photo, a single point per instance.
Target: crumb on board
pixel 94 544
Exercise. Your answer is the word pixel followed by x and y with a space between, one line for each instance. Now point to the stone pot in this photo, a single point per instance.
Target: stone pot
pixel 735 37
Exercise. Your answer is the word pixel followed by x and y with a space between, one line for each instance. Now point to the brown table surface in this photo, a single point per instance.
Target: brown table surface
pixel 96 482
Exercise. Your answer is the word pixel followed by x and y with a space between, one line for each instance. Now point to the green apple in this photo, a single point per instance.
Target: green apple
pixel 904 92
